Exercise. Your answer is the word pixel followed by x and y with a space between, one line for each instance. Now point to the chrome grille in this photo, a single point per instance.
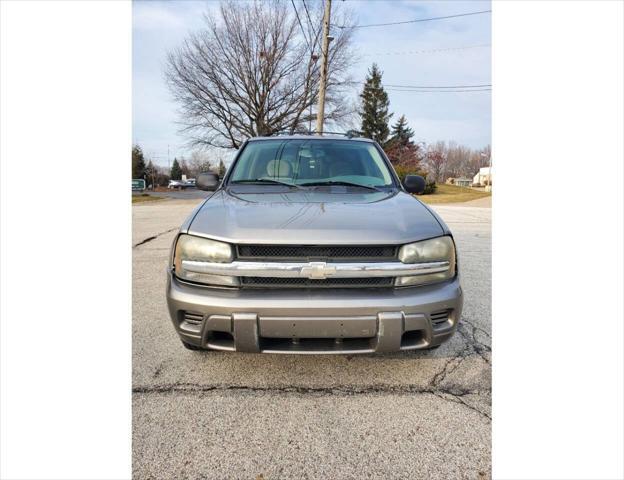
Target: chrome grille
pixel 330 253
pixel 273 282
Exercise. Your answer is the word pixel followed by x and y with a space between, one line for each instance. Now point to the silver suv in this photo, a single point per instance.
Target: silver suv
pixel 310 244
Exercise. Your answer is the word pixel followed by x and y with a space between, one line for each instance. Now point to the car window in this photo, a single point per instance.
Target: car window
pixel 303 161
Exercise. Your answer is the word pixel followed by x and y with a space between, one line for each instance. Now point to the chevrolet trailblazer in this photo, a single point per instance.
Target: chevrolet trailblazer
pixel 310 244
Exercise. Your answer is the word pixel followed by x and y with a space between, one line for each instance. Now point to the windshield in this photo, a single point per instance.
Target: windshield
pixel 312 163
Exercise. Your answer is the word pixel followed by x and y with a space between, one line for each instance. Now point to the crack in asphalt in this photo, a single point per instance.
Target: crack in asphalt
pixel 449 367
pixel 459 400
pixel 473 345
pixel 477 346
pixel 476 328
pixel 154 237
pixel 338 390
pixel 454 395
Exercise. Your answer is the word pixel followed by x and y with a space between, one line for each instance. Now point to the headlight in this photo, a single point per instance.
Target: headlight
pixel 189 247
pixel 441 249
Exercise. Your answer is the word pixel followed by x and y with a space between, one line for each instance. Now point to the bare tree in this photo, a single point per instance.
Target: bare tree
pixel 255 71
pixel 479 159
pixel 150 174
pixel 210 159
pixel 156 175
pixel 184 167
pixel 199 162
pixel 453 161
pixel 459 161
pixel 435 160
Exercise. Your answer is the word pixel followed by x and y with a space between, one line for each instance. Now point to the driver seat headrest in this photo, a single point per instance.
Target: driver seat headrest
pixel 278 168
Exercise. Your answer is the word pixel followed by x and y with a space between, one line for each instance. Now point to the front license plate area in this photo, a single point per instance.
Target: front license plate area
pixel 318 327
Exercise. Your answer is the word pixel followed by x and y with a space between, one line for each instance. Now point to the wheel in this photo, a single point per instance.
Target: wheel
pixel 190 346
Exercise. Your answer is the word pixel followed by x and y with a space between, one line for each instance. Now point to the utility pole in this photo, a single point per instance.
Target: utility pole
pixel 320 115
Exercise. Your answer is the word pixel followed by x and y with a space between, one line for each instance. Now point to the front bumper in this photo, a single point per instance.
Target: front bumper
pixel 343 321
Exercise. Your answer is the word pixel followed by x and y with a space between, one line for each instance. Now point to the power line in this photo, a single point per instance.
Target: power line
pixel 433 50
pixel 413 21
pixel 435 86
pixel 300 25
pixel 438 91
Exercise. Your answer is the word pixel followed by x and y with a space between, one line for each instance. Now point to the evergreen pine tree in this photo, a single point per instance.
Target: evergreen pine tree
pixel 221 171
pixel 176 171
pixel 401 133
pixel 400 148
pixel 374 110
pixel 138 162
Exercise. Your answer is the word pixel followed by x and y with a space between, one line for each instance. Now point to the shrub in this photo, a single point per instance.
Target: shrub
pixel 402 172
pixel 430 187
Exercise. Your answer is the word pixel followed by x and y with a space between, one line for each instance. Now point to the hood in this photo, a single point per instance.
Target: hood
pixel 313 217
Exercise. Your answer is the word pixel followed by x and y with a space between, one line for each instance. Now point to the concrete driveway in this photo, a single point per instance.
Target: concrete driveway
pixel 422 415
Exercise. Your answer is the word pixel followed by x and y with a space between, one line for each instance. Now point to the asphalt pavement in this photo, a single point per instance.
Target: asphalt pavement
pixel 200 415
pixel 186 194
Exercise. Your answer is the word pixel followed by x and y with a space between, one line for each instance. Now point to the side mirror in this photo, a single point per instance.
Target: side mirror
pixel 414 183
pixel 207 181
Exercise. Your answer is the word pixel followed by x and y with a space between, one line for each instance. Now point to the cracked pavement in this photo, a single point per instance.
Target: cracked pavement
pixel 419 415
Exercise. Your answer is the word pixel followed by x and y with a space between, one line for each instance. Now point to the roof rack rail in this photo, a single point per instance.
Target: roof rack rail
pixel 348 134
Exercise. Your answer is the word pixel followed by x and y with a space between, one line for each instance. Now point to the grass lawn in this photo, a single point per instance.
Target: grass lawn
pixel 453 194
pixel 144 197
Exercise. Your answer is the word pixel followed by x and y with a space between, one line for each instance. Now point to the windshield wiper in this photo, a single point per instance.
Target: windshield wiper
pixel 338 182
pixel 263 180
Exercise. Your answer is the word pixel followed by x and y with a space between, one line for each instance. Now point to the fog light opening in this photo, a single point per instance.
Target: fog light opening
pixel 220 339
pixel 413 338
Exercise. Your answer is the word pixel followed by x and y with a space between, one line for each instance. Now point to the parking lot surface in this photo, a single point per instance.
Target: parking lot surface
pixel 418 415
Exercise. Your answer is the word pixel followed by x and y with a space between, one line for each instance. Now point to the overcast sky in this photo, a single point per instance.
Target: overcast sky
pixel 463 117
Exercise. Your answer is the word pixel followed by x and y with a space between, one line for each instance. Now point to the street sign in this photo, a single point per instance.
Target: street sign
pixel 138 184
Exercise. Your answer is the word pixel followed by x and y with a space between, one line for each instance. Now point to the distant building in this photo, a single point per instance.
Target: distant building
pixel 463 182
pixel 483 178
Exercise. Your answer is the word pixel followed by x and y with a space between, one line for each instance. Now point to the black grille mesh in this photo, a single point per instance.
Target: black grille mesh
pixel 328 252
pixel 274 282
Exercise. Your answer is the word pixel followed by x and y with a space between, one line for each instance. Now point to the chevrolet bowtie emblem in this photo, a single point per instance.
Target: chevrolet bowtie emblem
pixel 317 270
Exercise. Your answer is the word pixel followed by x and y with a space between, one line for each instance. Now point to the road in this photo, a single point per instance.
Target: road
pixel 423 415
pixel 186 194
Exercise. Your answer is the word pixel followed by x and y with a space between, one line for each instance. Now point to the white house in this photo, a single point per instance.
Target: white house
pixel 483 177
